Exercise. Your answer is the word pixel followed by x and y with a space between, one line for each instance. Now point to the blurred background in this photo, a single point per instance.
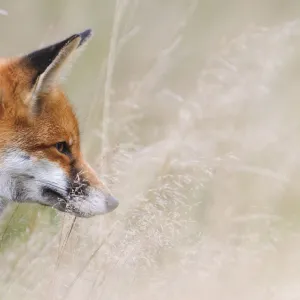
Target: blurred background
pixel 190 112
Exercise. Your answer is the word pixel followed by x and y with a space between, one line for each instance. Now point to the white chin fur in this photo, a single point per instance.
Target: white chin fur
pixel 22 179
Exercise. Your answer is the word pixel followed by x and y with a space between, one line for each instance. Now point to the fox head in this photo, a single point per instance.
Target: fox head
pixel 40 156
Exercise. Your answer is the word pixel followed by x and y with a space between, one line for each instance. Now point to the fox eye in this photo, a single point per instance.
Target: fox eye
pixel 63 148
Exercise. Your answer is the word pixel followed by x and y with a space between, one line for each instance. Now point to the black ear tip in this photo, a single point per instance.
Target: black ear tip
pixel 85 35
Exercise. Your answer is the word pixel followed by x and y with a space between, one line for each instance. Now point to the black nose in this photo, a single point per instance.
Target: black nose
pixel 112 202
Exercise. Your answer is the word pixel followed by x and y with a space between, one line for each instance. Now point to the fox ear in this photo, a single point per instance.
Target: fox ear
pixel 47 64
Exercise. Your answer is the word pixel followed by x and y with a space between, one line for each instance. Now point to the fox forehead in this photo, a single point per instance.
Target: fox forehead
pixel 56 121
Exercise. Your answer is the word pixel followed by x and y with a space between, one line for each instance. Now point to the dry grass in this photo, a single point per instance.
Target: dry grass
pixel 194 123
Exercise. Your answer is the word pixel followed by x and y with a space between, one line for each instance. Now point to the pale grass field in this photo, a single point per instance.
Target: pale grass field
pixel 190 111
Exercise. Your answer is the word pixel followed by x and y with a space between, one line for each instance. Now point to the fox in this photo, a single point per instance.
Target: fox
pixel 40 155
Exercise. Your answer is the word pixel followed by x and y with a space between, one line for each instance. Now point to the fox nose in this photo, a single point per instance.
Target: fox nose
pixel 112 203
